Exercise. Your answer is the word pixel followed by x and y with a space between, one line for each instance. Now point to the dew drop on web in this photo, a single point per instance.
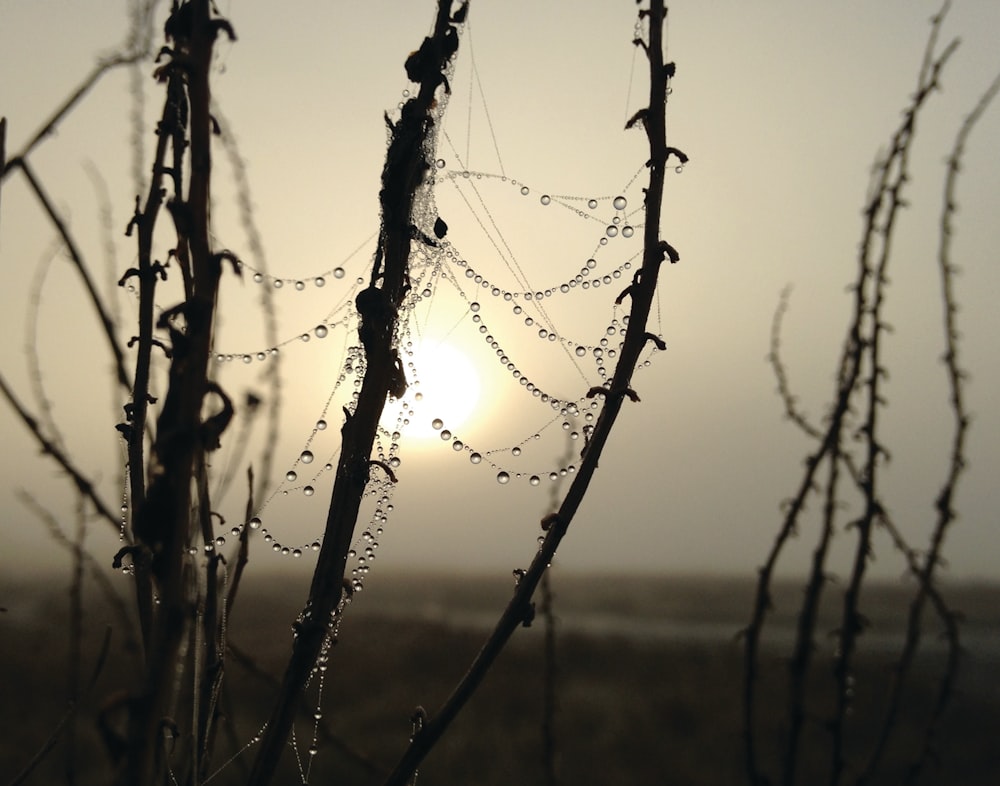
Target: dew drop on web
pixel 320 331
pixel 291 475
pixel 592 204
pixel 534 480
pixel 437 424
pixel 503 477
pixel 620 203
pixel 338 272
pixel 475 458
pixel 306 457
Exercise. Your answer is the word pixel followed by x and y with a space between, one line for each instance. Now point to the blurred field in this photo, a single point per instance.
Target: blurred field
pixel 648 681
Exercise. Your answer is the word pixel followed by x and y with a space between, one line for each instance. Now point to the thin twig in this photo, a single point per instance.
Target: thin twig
pixel 68 715
pixel 96 301
pixel 85 486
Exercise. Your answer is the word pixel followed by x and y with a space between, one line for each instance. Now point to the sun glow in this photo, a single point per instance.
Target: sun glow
pixel 444 389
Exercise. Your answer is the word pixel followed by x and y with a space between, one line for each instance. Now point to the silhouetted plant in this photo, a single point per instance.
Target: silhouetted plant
pixel 183 603
pixel 854 417
pixel 185 590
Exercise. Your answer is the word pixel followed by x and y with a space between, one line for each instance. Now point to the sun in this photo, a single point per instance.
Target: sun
pixel 444 388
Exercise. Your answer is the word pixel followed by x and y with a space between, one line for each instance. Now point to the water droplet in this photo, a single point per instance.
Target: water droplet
pixel 255 523
pixel 592 204
pixel 503 477
pixel 440 163
pixel 300 285
pixel 627 231
pixel 437 424
pixel 525 190
pixel 474 307
pixel 257 278
pixel 220 541
pixel 446 435
pixel 534 480
pixel 319 281
pixel 475 458
pixel 546 199
pixel 516 451
pixel 338 272
pixel 320 425
pixel 278 283
pixel 611 231
pixel 320 331
pixel 291 475
pixel 306 457
pixel 620 203
pixel 308 491
pixel 457 445
pixel 591 264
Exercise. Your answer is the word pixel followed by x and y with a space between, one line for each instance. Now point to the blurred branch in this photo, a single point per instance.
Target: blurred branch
pixel 95 297
pixel 70 713
pixel 48 447
pixel 49 127
pixel 860 369
pixel 3 153
pixel 97 571
pixel 956 377
pixel 255 250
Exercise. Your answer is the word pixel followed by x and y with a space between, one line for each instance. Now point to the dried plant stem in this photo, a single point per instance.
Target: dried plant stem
pixel 861 369
pixel 162 523
pixel 925 569
pixel 82 483
pixel 405 168
pixel 70 103
pixel 641 291
pixel 107 324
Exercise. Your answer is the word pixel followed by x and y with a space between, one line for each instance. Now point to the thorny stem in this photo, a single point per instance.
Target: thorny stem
pixel 519 608
pixel 404 172
pixel 148 272
pixel 861 350
pixel 893 178
pixel 162 523
pixel 945 512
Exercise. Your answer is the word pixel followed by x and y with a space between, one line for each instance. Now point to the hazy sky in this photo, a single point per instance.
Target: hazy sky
pixel 781 107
